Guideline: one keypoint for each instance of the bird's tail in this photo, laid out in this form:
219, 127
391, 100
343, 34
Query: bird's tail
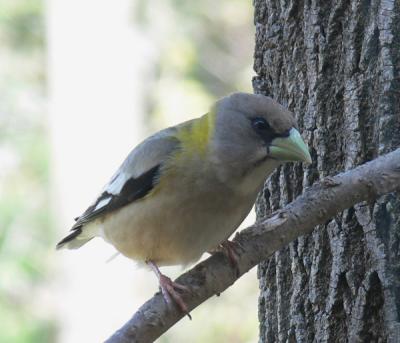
79, 236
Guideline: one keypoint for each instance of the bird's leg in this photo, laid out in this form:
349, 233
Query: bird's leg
169, 289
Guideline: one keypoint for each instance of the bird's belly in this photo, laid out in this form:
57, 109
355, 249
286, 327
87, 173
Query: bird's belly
170, 232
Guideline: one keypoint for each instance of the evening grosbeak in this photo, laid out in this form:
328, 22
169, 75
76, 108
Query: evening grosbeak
184, 190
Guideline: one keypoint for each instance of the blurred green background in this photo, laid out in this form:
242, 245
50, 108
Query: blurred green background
26, 234
201, 50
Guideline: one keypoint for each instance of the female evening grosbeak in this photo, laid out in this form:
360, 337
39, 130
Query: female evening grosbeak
184, 190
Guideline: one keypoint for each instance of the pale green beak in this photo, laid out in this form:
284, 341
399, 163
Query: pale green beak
290, 149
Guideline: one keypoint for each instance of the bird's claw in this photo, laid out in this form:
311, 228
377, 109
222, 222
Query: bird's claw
230, 249
169, 290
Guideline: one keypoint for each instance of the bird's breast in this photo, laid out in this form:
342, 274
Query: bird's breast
179, 222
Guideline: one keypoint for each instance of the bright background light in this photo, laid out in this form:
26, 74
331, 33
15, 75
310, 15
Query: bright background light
82, 82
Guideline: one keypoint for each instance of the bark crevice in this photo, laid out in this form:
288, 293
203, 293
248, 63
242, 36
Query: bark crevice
337, 67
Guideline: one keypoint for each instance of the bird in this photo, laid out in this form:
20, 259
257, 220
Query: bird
185, 189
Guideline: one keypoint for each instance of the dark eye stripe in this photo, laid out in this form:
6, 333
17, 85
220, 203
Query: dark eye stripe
260, 124
265, 131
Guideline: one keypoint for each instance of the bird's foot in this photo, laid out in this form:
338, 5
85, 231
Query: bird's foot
230, 249
169, 290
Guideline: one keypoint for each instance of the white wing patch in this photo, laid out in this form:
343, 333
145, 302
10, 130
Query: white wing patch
134, 178
102, 203
116, 184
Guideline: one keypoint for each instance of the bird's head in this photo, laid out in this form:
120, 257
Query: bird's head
253, 130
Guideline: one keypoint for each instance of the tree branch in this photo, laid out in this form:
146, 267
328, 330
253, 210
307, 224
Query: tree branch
318, 204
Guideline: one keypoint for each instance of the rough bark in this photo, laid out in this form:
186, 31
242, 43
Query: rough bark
336, 65
319, 203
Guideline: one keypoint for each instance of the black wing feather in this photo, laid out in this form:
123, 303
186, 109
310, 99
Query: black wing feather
76, 231
133, 189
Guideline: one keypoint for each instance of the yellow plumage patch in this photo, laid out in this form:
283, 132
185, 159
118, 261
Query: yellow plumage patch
195, 137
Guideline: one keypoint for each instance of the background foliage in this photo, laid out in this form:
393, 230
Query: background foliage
202, 52
25, 216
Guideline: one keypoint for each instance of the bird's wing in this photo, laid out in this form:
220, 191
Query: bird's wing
136, 177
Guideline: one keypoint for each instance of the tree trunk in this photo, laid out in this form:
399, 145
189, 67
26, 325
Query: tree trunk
336, 66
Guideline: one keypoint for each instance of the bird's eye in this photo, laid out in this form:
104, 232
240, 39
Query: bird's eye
259, 124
